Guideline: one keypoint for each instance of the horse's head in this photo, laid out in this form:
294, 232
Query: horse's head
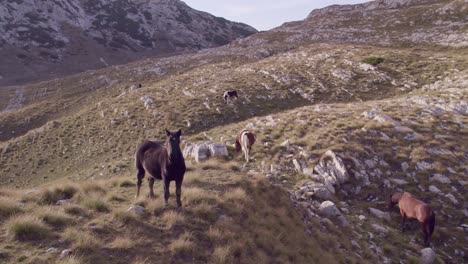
173, 141
393, 199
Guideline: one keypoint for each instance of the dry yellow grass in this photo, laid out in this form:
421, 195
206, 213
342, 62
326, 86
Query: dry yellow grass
172, 218
81, 239
182, 245
236, 194
8, 207
54, 217
222, 254
123, 242
73, 259
27, 227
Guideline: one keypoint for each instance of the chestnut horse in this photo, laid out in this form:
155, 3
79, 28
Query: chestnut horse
412, 208
163, 161
244, 141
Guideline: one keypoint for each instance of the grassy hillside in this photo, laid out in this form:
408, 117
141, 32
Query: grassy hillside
228, 217
96, 133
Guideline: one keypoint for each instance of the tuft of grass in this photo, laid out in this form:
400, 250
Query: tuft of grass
172, 218
195, 195
182, 245
125, 217
121, 242
95, 203
8, 208
222, 254
75, 210
374, 61
55, 218
125, 183
81, 239
54, 194
27, 227
73, 259
237, 194
93, 188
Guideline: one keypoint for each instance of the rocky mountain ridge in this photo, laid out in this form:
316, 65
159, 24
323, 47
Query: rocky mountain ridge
46, 39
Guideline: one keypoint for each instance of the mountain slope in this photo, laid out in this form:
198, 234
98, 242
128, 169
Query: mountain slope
381, 22
47, 39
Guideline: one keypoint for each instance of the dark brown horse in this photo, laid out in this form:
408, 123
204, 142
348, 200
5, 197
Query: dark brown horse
412, 208
163, 161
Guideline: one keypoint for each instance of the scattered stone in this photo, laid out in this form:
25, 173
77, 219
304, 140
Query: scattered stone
52, 250
62, 202
422, 165
297, 165
440, 178
362, 218
404, 166
139, 210
452, 198
382, 230
398, 181
66, 252
379, 214
428, 256
328, 208
310, 189
355, 244
202, 151
434, 189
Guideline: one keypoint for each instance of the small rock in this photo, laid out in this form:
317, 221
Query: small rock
328, 208
355, 244
379, 214
404, 166
398, 181
440, 178
297, 165
381, 229
427, 256
52, 250
66, 252
434, 189
362, 218
139, 210
62, 202
452, 198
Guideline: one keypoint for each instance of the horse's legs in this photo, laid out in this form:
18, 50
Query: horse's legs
151, 184
425, 227
179, 192
166, 191
403, 218
140, 176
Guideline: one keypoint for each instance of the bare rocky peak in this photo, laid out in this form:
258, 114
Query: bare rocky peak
43, 39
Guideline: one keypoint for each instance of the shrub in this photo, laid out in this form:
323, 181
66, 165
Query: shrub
8, 207
52, 195
27, 227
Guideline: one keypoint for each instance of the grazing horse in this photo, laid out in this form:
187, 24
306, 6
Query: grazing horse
163, 161
229, 94
410, 207
244, 141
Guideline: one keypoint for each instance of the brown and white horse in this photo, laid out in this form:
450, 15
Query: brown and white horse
244, 141
412, 208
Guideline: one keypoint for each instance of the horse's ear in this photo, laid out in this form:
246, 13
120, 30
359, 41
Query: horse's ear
167, 132
179, 132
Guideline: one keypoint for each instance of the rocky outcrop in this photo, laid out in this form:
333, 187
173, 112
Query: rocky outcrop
329, 209
204, 150
330, 171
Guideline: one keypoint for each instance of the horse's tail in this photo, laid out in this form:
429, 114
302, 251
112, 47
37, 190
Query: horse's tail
139, 160
431, 222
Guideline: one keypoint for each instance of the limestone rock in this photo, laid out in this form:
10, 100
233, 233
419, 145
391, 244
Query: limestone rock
139, 210
434, 189
398, 181
331, 171
427, 256
440, 178
66, 252
201, 151
379, 214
